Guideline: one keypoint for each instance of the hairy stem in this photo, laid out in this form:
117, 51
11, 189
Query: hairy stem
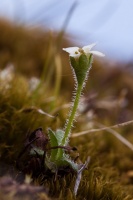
72, 114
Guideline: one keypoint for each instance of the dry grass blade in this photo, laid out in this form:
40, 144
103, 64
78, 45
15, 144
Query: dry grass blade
110, 130
38, 110
118, 136
104, 128
79, 176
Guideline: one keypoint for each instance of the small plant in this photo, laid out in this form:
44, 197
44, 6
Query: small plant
81, 60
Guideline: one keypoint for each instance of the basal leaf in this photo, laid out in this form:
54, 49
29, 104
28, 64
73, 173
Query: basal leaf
59, 134
53, 143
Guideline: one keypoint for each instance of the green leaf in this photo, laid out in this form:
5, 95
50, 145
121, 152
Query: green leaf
35, 150
58, 157
52, 137
53, 143
69, 162
59, 134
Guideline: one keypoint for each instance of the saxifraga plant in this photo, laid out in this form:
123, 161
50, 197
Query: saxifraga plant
80, 60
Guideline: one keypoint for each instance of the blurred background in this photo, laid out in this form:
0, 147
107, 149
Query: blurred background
106, 22
36, 85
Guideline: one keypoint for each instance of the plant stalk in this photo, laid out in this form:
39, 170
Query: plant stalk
72, 114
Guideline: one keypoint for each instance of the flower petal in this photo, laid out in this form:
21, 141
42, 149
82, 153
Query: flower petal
76, 56
71, 50
97, 53
88, 47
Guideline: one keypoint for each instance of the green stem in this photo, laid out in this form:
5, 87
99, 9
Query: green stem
72, 114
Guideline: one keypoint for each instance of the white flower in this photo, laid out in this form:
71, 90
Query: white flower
76, 51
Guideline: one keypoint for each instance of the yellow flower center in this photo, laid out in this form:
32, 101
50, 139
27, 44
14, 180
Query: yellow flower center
76, 52
80, 50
